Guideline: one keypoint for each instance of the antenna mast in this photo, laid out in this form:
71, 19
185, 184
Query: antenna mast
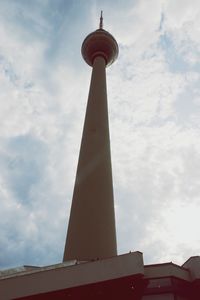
101, 20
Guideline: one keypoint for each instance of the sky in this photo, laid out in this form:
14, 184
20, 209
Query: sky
154, 112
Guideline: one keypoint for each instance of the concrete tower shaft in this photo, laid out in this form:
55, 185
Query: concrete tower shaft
91, 230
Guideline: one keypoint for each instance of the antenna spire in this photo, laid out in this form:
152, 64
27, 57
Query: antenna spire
101, 20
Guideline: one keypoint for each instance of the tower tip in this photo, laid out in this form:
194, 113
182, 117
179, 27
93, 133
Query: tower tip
101, 20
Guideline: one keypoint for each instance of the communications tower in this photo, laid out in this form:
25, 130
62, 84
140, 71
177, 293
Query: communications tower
91, 230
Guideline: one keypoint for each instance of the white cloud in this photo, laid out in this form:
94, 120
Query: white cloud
153, 94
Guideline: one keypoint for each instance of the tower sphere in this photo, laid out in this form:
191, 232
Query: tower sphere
99, 43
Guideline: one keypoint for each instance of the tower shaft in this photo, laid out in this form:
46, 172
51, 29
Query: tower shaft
91, 230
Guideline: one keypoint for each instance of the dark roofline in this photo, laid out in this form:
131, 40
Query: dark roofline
191, 257
163, 264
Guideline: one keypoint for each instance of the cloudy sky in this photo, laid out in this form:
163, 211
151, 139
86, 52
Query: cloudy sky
154, 111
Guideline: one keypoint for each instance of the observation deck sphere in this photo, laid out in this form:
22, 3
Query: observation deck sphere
99, 43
